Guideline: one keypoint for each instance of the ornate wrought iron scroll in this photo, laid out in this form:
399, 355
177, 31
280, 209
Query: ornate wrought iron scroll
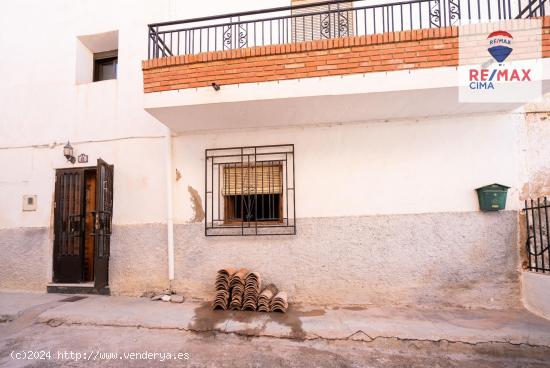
343, 23
454, 12
326, 31
335, 22
435, 14
444, 13
235, 35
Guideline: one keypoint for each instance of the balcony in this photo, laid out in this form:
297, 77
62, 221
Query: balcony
334, 53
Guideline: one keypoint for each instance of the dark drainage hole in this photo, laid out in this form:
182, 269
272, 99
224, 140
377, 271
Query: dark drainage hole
73, 299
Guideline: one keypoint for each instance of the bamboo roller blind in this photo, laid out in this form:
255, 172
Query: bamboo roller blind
305, 28
257, 179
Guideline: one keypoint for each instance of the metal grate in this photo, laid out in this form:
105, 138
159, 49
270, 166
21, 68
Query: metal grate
538, 235
73, 299
250, 191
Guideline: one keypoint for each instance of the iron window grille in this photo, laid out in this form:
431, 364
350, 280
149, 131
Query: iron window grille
538, 235
250, 191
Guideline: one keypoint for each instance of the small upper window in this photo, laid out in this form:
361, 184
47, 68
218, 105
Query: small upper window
96, 57
105, 65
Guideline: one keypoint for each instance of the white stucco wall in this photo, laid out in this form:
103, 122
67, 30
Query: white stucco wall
396, 167
386, 211
405, 166
31, 171
534, 292
43, 102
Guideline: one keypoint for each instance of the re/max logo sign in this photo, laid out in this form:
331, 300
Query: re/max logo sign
484, 78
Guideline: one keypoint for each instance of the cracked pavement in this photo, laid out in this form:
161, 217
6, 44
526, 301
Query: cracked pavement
99, 326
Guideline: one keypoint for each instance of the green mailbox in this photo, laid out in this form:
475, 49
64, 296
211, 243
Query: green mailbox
492, 197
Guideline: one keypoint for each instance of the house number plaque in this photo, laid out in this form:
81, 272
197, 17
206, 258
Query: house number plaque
82, 159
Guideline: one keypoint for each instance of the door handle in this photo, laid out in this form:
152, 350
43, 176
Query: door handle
102, 223
96, 218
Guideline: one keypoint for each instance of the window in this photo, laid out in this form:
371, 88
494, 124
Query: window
325, 21
253, 193
105, 65
250, 191
96, 57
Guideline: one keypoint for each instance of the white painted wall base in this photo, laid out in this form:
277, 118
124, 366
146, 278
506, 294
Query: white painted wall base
535, 290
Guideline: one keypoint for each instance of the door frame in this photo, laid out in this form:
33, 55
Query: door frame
103, 220
57, 221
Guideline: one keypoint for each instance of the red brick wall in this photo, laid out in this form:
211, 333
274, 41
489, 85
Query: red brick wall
424, 48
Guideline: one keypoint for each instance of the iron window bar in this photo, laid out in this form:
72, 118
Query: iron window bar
250, 191
325, 20
538, 235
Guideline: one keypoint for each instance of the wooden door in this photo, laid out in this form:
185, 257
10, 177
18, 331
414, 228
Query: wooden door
68, 226
102, 222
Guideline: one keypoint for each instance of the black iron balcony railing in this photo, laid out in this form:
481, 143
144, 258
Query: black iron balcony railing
327, 19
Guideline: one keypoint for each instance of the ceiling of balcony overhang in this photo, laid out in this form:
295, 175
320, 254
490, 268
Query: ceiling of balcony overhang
237, 107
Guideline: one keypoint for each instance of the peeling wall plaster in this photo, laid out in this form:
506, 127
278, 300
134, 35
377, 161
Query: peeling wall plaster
196, 205
536, 154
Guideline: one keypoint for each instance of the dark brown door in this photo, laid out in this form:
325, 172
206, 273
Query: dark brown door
68, 226
102, 223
